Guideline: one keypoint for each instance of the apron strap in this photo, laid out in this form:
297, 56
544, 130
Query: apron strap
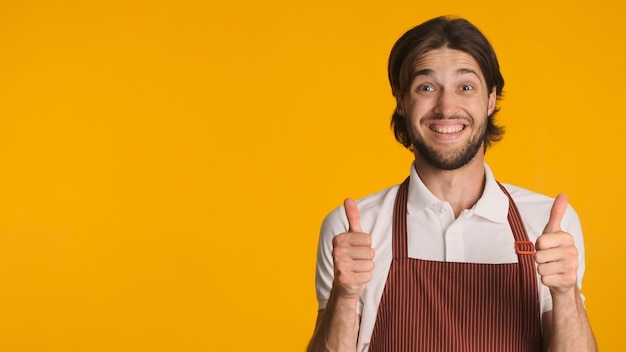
399, 230
525, 250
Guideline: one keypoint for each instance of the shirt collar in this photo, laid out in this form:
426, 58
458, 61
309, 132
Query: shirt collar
492, 205
420, 196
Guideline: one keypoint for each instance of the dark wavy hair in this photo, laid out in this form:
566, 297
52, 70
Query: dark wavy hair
453, 33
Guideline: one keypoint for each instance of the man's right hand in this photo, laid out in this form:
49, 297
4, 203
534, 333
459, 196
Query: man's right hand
353, 256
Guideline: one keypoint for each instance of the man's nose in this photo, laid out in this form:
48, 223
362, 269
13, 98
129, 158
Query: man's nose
447, 103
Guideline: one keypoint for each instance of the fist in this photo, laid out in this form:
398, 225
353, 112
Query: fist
556, 255
353, 256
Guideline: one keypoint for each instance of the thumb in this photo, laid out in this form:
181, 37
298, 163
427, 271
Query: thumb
556, 214
352, 213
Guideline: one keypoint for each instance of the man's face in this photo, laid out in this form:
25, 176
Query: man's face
446, 108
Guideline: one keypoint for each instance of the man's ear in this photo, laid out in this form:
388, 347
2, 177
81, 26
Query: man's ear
491, 107
399, 107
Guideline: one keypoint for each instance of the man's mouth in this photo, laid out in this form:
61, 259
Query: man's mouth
446, 129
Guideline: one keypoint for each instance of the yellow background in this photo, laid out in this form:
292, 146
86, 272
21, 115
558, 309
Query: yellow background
165, 165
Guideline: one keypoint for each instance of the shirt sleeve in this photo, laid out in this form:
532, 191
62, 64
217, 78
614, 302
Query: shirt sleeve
571, 225
334, 224
324, 272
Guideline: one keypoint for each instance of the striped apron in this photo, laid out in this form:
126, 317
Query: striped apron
449, 306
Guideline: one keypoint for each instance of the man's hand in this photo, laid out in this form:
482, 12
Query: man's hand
353, 256
557, 256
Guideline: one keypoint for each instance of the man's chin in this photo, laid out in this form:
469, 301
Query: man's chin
445, 162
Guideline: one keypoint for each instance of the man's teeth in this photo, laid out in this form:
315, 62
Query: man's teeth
447, 129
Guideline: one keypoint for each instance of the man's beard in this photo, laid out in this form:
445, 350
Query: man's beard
455, 159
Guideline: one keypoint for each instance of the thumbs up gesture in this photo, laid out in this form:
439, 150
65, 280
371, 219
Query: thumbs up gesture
353, 256
557, 256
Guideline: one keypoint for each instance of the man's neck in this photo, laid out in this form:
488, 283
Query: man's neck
461, 188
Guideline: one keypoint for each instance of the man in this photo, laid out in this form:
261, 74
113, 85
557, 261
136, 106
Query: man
450, 260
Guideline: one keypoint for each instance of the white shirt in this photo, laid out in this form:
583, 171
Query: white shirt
481, 234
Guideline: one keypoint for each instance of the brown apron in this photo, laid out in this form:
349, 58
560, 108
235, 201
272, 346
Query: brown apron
449, 306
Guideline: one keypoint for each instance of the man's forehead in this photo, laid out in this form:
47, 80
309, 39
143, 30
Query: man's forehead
447, 56
447, 59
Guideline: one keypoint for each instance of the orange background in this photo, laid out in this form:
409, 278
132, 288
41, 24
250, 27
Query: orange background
165, 165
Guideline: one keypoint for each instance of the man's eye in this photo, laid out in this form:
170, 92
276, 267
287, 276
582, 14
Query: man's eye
426, 88
466, 87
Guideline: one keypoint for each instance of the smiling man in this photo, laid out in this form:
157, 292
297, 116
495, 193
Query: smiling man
450, 260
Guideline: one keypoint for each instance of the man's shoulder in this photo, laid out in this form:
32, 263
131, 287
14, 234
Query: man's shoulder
376, 201
526, 196
370, 209
535, 207
529, 203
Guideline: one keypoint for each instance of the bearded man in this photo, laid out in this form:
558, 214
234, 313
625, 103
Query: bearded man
450, 260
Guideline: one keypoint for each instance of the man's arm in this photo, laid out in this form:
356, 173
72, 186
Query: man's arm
566, 327
337, 326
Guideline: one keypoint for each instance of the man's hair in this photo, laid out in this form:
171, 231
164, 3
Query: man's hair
453, 33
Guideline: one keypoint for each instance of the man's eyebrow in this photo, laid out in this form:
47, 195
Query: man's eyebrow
424, 72
461, 71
